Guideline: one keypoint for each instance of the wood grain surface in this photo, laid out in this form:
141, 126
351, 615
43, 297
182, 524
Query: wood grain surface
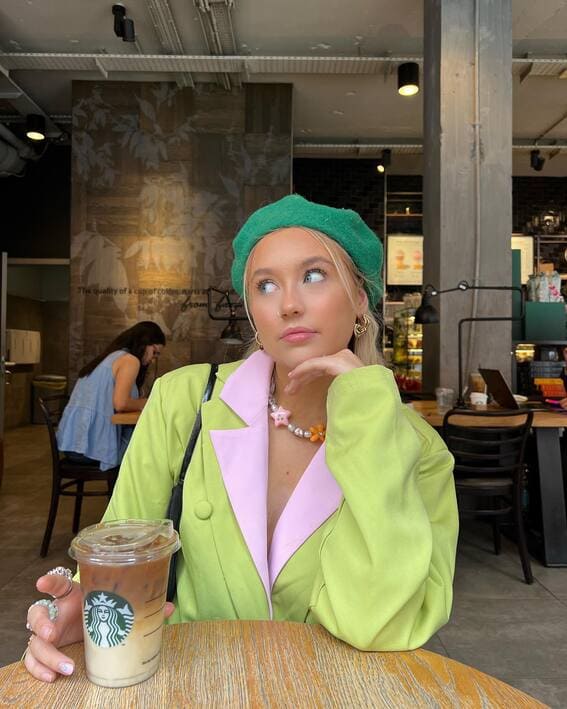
128, 418
542, 419
271, 664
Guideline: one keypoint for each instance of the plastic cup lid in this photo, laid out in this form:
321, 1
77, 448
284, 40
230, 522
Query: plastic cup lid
125, 541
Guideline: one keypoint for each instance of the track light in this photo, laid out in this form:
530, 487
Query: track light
408, 79
123, 26
536, 161
384, 161
35, 126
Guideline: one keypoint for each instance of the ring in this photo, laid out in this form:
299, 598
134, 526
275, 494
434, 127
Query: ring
50, 605
68, 574
61, 571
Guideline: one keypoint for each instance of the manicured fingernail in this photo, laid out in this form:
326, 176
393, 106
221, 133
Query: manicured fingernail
66, 668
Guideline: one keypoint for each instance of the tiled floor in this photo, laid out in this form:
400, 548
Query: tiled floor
499, 624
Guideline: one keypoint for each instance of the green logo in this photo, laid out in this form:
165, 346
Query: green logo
108, 618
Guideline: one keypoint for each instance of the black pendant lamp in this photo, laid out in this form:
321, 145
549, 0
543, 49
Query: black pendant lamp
408, 79
35, 126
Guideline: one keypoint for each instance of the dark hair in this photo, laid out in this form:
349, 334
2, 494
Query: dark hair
134, 340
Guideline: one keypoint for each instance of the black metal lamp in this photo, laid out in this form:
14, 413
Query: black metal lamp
408, 78
123, 26
427, 314
231, 334
35, 126
384, 161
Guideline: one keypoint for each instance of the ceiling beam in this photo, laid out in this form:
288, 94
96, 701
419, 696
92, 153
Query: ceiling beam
410, 147
233, 63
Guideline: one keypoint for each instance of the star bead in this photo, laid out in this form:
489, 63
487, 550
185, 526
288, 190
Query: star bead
280, 416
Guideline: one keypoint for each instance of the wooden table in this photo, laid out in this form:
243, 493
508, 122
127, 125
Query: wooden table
271, 664
547, 427
128, 418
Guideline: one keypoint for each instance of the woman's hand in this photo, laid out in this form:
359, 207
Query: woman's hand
563, 403
329, 366
42, 658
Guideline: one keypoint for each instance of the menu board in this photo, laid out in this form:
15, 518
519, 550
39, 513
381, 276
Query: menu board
404, 266
525, 244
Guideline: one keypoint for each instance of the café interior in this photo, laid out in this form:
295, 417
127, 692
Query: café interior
134, 143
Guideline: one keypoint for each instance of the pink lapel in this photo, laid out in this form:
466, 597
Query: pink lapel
315, 498
242, 455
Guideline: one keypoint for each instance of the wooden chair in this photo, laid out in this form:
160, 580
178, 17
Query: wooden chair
489, 448
68, 477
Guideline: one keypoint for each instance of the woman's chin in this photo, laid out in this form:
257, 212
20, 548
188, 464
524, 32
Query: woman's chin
291, 357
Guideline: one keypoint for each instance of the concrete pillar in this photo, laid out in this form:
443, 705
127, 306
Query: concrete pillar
467, 181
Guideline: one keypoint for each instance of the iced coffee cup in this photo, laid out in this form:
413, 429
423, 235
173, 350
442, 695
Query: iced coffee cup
124, 568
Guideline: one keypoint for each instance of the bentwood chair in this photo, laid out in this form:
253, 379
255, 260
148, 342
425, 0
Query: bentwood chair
489, 448
68, 477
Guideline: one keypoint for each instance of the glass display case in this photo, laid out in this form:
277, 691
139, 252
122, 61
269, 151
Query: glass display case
407, 346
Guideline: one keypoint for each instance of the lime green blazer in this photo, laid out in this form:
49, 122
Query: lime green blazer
366, 543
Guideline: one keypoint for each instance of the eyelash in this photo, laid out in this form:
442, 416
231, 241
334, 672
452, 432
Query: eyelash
262, 283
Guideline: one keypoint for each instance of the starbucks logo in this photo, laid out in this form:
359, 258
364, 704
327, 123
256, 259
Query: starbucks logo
108, 618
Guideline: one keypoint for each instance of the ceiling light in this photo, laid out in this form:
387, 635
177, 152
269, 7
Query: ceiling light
35, 126
123, 26
408, 79
384, 161
536, 161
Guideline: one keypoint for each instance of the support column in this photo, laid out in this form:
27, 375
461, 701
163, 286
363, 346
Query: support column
467, 181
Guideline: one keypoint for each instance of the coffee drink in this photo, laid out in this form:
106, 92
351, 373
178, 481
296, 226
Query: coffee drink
124, 569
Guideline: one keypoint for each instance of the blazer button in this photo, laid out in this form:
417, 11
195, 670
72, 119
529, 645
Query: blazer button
203, 509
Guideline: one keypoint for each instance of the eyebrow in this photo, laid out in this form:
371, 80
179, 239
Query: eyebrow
304, 264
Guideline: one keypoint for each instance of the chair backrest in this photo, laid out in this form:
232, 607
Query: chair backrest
487, 443
52, 410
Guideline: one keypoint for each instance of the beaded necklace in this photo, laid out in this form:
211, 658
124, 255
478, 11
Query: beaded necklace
280, 416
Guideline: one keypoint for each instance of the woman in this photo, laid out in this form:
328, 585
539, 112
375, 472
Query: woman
108, 383
313, 495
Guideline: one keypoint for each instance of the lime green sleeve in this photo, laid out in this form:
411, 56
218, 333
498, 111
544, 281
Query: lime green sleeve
155, 453
387, 563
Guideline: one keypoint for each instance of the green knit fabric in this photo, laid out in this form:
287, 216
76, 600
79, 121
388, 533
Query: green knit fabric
342, 225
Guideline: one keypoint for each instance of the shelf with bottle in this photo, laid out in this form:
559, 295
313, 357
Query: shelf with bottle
407, 346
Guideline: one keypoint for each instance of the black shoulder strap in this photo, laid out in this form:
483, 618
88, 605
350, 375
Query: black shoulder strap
175, 506
197, 425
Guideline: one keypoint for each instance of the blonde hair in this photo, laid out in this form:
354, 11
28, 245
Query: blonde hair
365, 346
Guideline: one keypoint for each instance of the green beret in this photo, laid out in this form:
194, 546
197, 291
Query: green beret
342, 225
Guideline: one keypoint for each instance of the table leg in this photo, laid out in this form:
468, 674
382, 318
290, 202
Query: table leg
554, 518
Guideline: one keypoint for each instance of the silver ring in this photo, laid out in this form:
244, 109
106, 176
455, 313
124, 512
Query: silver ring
61, 571
63, 595
52, 609
68, 574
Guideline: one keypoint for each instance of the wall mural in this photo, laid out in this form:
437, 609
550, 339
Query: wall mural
162, 179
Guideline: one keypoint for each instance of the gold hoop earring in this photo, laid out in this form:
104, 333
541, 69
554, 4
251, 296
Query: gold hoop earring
362, 327
258, 341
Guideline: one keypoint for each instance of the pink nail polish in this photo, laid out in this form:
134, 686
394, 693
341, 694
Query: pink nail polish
66, 668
